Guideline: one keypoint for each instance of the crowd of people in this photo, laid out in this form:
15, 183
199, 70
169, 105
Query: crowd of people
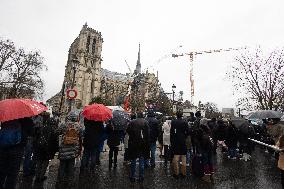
188, 144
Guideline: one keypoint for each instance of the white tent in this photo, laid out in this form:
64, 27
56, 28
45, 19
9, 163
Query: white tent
115, 108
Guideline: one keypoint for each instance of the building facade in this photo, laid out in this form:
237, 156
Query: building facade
83, 72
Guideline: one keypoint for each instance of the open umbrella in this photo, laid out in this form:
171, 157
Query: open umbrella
265, 114
97, 112
120, 119
238, 122
11, 109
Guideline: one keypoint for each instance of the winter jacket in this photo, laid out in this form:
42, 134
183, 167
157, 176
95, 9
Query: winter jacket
45, 142
212, 125
178, 134
206, 143
72, 150
27, 129
154, 129
281, 158
231, 137
220, 132
93, 133
166, 132
113, 136
138, 143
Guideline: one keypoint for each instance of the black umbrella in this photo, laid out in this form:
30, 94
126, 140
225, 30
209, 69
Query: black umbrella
120, 119
265, 114
239, 121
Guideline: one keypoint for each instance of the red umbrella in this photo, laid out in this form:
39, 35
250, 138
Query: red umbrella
11, 109
97, 112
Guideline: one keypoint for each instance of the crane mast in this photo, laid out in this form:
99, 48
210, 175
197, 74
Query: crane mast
191, 59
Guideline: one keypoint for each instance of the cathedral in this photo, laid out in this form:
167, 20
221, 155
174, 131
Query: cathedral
84, 73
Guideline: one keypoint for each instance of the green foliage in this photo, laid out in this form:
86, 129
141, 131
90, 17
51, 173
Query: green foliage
100, 100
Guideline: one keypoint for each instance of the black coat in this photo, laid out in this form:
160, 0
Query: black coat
138, 143
231, 137
220, 132
179, 132
206, 143
92, 134
113, 136
154, 129
47, 151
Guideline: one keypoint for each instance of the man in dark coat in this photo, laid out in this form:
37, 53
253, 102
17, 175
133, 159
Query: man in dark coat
11, 155
45, 147
138, 144
113, 142
232, 140
179, 132
92, 138
154, 133
212, 124
195, 130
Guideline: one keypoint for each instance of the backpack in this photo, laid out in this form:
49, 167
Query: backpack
10, 134
71, 136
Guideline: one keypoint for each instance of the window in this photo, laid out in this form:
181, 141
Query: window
94, 46
88, 44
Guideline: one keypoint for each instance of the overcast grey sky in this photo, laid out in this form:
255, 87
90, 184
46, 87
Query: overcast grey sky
160, 26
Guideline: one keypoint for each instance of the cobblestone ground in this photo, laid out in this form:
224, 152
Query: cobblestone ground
260, 173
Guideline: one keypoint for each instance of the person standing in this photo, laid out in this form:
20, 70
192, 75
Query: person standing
232, 141
154, 133
126, 139
166, 140
207, 149
12, 149
280, 144
138, 131
91, 143
113, 142
212, 124
194, 132
45, 147
29, 161
178, 134
69, 148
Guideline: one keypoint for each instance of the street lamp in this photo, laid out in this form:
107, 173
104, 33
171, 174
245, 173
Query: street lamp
173, 89
75, 62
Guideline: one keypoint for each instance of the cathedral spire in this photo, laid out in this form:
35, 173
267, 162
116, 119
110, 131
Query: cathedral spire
138, 63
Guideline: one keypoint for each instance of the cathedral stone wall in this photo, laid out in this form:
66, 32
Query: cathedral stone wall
83, 72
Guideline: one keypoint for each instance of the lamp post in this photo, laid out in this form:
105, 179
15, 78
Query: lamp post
173, 90
75, 63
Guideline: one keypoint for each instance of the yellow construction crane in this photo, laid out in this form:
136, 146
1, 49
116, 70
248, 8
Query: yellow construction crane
191, 57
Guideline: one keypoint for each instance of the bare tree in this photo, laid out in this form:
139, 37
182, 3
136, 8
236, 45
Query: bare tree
20, 71
211, 110
258, 79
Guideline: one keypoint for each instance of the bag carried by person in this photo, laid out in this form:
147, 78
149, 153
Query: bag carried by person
10, 134
71, 136
197, 166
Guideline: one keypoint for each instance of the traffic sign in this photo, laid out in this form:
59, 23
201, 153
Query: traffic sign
71, 94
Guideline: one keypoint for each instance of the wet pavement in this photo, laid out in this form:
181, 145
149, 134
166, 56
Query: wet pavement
260, 173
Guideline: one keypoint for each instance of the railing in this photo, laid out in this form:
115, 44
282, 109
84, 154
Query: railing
267, 145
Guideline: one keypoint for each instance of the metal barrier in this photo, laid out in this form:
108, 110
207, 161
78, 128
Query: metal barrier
267, 145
